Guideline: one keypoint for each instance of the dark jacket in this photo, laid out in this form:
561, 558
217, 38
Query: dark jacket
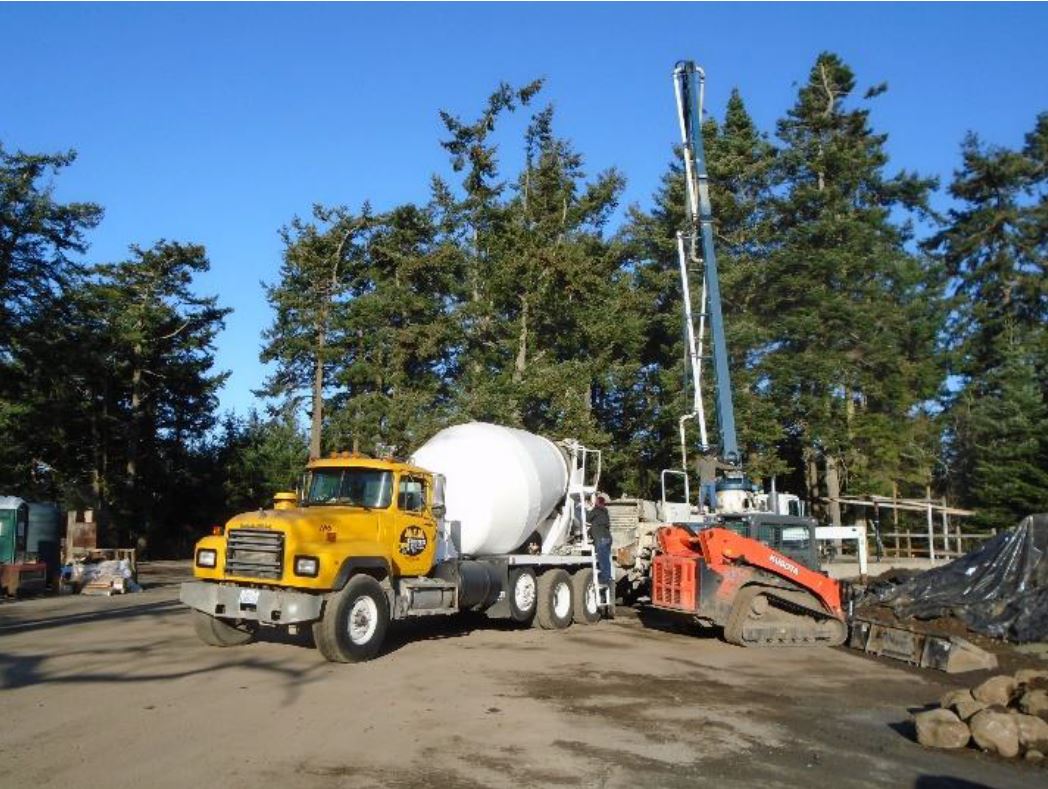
599, 524
708, 465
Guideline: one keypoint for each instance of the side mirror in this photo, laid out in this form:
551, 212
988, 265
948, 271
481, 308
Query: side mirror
438, 510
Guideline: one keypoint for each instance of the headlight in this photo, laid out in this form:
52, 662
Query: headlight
307, 565
206, 557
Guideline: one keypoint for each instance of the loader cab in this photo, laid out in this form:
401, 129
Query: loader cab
791, 536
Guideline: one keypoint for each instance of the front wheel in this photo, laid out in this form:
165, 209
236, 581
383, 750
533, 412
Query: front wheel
218, 633
354, 623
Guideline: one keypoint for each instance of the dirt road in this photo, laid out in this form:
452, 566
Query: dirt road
117, 692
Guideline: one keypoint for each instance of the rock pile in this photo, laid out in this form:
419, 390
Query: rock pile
1006, 715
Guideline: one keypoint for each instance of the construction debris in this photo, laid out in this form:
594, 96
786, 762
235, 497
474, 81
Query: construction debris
114, 576
994, 716
999, 590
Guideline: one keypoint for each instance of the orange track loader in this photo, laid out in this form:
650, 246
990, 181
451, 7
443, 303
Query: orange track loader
759, 596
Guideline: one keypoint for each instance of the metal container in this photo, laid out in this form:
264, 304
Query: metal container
14, 515
44, 534
502, 484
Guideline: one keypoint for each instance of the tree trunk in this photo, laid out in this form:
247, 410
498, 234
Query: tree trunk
811, 478
318, 395
833, 489
521, 363
135, 426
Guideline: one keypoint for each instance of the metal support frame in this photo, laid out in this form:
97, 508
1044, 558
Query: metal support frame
689, 83
857, 533
698, 408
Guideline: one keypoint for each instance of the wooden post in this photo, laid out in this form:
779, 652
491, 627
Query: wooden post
957, 538
895, 519
877, 529
931, 525
945, 529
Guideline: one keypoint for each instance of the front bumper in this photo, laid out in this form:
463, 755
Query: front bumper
268, 606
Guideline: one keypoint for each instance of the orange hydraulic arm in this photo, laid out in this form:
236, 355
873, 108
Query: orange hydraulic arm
721, 546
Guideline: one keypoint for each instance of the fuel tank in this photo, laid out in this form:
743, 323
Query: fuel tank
502, 484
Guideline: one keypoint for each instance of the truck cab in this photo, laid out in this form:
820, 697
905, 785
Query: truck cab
358, 523
353, 511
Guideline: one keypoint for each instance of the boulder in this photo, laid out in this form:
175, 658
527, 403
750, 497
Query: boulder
965, 709
996, 690
1033, 732
1025, 676
952, 698
1035, 702
996, 732
941, 729
1034, 756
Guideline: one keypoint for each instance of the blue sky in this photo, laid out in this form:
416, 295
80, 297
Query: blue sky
217, 123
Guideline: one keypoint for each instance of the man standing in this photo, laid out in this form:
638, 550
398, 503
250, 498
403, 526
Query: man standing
600, 533
707, 465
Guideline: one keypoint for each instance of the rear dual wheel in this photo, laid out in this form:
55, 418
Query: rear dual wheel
523, 594
555, 600
587, 597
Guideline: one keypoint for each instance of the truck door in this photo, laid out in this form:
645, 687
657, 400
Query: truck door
415, 529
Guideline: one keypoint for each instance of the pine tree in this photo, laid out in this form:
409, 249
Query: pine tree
1003, 444
740, 163
399, 339
38, 236
851, 358
543, 303
312, 288
159, 340
40, 240
994, 248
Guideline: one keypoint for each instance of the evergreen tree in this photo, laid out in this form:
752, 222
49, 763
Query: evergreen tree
159, 340
40, 239
37, 237
392, 389
1002, 448
312, 288
259, 457
994, 249
740, 162
851, 356
544, 302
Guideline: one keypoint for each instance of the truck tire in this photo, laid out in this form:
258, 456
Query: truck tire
523, 594
585, 595
216, 632
554, 600
354, 623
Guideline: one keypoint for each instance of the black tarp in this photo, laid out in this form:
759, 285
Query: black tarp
999, 590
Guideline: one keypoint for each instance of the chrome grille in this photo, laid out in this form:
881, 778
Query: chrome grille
255, 553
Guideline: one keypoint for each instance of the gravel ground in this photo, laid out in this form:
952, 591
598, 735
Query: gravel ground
117, 692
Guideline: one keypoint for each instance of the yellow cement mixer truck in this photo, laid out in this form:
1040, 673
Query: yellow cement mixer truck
480, 518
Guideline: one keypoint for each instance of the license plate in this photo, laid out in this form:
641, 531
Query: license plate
249, 596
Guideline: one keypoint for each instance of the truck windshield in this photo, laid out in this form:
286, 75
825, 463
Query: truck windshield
354, 487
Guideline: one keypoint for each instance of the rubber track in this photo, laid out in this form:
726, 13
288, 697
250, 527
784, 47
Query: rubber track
738, 619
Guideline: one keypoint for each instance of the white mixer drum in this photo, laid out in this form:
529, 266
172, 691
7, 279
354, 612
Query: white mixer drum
502, 483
